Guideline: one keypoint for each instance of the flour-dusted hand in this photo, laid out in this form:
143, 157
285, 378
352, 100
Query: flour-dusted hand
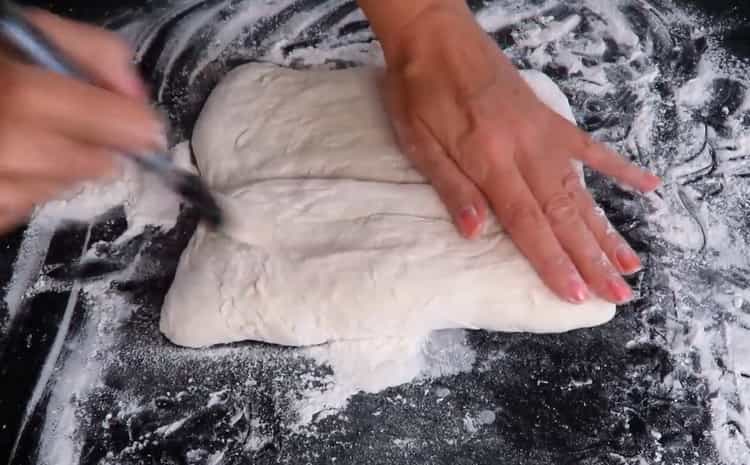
464, 115
55, 131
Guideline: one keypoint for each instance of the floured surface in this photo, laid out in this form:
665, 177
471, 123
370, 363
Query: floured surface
665, 382
332, 235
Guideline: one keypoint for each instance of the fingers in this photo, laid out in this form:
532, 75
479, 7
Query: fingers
19, 196
485, 129
458, 193
101, 53
9, 221
78, 111
554, 187
36, 166
601, 158
34, 154
620, 254
56, 131
524, 221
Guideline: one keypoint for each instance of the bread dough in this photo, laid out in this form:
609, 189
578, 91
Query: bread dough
332, 235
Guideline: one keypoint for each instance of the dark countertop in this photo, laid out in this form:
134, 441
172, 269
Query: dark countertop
625, 410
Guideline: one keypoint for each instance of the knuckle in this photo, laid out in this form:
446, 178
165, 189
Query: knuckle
491, 139
602, 262
559, 209
427, 162
585, 141
558, 265
571, 181
452, 186
521, 215
473, 165
480, 152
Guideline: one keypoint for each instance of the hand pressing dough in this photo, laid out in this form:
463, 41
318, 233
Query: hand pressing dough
332, 234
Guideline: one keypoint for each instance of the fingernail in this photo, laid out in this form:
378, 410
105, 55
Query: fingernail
578, 291
619, 290
469, 222
627, 260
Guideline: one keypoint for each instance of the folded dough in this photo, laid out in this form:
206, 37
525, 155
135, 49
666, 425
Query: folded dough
332, 234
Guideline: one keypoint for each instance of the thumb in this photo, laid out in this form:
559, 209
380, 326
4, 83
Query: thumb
458, 193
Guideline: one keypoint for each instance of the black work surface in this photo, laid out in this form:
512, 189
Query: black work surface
623, 412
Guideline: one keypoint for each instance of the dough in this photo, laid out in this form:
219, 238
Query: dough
332, 234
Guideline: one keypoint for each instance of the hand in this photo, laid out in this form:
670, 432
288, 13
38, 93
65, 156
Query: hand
468, 121
55, 131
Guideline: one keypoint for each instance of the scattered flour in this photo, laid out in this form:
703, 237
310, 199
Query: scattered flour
708, 323
147, 202
374, 365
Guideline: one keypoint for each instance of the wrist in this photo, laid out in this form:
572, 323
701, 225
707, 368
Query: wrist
401, 26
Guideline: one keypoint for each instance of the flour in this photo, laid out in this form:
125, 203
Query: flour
29, 261
83, 204
147, 202
82, 370
373, 365
136, 190
498, 15
704, 329
549, 32
151, 202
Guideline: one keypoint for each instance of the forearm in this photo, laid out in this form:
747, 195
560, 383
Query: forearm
392, 19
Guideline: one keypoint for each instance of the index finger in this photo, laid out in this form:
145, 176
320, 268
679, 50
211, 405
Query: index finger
598, 156
79, 111
101, 53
